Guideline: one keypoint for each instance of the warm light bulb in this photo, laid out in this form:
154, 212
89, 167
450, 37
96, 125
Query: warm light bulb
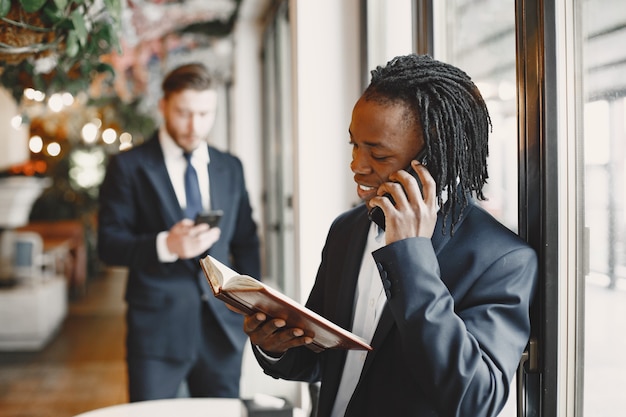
53, 149
35, 144
89, 133
126, 138
109, 135
55, 102
29, 93
68, 99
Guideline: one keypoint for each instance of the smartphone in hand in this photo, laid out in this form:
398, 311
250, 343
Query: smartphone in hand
212, 218
376, 214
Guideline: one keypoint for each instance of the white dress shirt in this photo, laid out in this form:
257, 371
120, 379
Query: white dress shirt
369, 302
370, 299
176, 164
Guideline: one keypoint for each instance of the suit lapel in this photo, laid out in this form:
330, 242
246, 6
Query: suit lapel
157, 175
350, 273
355, 244
218, 189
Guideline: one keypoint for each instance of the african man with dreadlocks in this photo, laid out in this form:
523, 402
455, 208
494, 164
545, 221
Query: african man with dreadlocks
443, 293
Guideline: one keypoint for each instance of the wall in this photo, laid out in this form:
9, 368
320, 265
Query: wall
13, 142
245, 105
326, 61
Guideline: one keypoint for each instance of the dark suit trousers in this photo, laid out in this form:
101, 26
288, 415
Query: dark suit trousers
215, 372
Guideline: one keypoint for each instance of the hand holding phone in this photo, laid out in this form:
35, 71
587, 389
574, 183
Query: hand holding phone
376, 214
212, 218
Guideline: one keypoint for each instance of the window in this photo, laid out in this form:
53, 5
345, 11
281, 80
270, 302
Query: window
480, 39
389, 31
600, 53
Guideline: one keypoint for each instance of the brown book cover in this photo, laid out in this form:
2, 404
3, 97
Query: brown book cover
250, 296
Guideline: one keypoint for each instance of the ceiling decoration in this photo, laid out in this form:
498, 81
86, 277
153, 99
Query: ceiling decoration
147, 20
152, 36
159, 34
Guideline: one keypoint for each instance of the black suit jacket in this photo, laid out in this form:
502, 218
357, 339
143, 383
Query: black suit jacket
137, 201
453, 330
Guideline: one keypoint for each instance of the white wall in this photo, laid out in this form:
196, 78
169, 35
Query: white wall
13, 141
325, 38
245, 110
327, 84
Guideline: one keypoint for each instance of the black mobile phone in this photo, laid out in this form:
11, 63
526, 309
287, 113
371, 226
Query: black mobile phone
212, 218
376, 214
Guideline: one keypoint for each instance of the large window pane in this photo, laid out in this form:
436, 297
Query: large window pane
478, 36
602, 56
389, 31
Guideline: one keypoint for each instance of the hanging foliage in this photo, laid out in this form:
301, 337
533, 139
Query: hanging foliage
56, 45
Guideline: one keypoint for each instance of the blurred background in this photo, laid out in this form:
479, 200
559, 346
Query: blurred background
79, 82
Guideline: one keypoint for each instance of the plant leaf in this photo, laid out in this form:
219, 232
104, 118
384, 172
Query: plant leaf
54, 14
79, 26
72, 44
104, 67
5, 6
61, 4
114, 8
31, 6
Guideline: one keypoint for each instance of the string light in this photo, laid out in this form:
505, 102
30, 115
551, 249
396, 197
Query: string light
35, 144
53, 149
89, 132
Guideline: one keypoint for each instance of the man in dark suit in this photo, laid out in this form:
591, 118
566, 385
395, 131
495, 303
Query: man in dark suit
443, 293
177, 330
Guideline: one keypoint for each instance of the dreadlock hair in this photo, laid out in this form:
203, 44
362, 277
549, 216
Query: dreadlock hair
452, 114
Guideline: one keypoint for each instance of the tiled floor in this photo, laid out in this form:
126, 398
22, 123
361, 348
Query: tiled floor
82, 368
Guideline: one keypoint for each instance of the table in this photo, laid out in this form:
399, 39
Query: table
66, 240
187, 407
30, 314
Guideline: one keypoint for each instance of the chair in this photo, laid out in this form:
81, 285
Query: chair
23, 257
66, 242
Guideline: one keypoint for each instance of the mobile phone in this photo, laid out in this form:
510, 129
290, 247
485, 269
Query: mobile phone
376, 214
212, 218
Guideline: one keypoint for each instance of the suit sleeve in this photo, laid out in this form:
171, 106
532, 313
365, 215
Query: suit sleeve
118, 241
244, 246
462, 351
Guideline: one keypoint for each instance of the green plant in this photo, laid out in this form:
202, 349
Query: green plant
56, 45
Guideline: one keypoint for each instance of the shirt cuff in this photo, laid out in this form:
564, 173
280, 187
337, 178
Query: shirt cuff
271, 359
163, 252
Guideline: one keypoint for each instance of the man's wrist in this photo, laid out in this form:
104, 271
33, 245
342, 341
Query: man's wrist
163, 251
271, 357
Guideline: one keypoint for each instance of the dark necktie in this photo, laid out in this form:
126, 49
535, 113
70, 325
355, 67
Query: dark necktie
192, 190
